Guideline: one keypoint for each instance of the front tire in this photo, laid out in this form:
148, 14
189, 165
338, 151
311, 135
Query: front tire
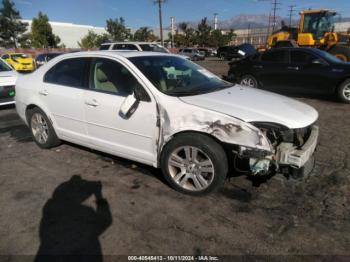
343, 91
194, 164
249, 80
41, 129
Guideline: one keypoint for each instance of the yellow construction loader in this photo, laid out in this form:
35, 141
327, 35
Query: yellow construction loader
316, 29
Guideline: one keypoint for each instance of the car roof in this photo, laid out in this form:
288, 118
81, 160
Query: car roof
115, 53
296, 48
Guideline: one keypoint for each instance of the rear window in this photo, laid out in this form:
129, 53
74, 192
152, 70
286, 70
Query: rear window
274, 57
124, 47
69, 72
104, 47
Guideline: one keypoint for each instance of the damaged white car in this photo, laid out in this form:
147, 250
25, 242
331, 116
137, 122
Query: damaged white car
165, 111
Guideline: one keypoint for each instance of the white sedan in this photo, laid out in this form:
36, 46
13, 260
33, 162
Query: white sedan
8, 78
165, 111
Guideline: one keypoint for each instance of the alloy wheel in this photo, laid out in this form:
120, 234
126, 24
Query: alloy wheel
39, 128
346, 92
248, 81
191, 168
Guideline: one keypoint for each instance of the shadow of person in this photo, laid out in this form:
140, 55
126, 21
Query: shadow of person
69, 230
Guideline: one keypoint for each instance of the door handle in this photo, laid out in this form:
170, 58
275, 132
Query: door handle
258, 66
43, 92
92, 102
293, 67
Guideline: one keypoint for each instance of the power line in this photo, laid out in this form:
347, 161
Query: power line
291, 12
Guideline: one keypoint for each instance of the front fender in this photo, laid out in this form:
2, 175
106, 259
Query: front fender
225, 128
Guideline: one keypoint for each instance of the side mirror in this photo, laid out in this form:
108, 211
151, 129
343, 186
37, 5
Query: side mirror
129, 106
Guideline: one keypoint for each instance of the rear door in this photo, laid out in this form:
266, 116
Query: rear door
62, 93
110, 82
271, 70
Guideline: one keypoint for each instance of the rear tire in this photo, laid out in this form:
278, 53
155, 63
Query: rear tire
194, 164
341, 52
343, 91
41, 129
249, 80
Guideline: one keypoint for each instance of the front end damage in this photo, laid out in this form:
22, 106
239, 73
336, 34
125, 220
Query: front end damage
266, 146
292, 151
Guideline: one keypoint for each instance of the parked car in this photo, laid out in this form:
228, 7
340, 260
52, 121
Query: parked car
8, 79
235, 52
294, 69
136, 46
209, 52
19, 61
42, 59
165, 111
192, 53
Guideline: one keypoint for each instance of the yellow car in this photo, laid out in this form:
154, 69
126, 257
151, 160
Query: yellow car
19, 61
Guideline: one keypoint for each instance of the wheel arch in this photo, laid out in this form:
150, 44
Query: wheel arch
225, 146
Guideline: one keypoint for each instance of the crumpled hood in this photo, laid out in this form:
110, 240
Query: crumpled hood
254, 105
8, 78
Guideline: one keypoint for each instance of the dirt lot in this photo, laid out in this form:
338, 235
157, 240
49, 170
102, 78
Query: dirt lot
279, 216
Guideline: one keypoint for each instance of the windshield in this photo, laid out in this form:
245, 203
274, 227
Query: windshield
328, 57
176, 76
16, 56
318, 24
4, 67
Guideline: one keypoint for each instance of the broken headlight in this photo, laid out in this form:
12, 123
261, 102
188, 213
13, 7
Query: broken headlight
278, 133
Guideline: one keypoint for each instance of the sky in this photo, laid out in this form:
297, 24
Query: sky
139, 13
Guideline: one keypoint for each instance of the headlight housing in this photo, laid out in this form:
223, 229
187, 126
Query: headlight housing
277, 133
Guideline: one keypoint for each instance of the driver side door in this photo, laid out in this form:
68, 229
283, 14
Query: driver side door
133, 137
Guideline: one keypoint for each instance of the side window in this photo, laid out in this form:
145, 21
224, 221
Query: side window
274, 57
104, 47
131, 47
109, 76
69, 72
118, 47
300, 57
5, 56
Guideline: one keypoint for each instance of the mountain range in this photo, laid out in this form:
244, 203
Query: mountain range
244, 21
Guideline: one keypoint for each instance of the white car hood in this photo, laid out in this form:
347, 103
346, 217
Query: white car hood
8, 78
254, 105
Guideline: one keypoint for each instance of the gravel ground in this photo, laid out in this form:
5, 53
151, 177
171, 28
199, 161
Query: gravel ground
142, 215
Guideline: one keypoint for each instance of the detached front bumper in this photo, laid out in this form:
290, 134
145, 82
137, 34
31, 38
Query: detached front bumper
287, 154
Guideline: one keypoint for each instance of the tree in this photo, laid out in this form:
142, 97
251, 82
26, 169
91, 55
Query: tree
41, 34
217, 38
93, 40
11, 27
189, 37
144, 34
117, 29
203, 32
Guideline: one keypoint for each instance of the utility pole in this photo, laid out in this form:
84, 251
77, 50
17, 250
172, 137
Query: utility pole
291, 12
159, 3
172, 20
215, 21
275, 7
